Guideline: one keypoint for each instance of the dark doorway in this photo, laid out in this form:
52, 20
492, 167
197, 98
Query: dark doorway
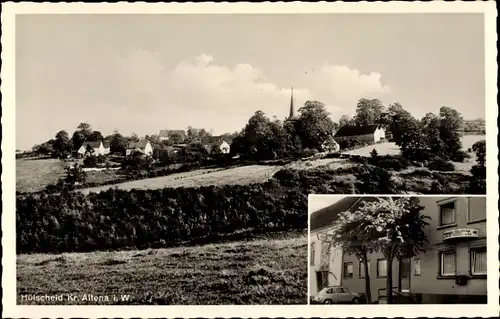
404, 275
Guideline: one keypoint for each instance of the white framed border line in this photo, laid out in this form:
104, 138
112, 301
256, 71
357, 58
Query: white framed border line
10, 309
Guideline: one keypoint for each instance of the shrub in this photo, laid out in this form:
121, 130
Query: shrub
441, 165
441, 185
460, 156
393, 163
90, 161
374, 180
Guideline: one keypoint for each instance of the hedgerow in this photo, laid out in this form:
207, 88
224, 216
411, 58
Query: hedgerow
117, 219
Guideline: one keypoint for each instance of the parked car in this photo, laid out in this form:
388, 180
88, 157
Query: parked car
336, 295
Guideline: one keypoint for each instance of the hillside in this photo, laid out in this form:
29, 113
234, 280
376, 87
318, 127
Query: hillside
262, 271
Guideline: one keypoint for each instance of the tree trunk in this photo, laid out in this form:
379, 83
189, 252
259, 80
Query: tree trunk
368, 288
390, 259
389, 281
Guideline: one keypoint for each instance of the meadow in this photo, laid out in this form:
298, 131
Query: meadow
35, 174
266, 270
242, 175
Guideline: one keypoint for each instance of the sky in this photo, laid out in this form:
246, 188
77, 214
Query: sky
144, 73
319, 201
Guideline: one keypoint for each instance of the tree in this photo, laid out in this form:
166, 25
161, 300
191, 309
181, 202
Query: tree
344, 120
78, 139
81, 135
477, 183
85, 128
393, 118
44, 148
368, 112
450, 124
314, 125
95, 136
431, 129
176, 138
393, 226
134, 137
118, 143
62, 144
75, 175
346, 236
412, 139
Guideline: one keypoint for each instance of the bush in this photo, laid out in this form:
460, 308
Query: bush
460, 156
441, 165
441, 185
374, 180
90, 161
117, 219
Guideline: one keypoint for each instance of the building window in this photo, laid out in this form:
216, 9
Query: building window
362, 269
476, 210
348, 270
416, 267
448, 265
313, 253
381, 268
447, 214
478, 261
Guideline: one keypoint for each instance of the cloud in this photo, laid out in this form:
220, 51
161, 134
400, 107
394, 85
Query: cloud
208, 91
139, 91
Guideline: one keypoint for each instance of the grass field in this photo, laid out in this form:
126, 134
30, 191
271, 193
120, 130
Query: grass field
261, 271
202, 177
34, 174
390, 148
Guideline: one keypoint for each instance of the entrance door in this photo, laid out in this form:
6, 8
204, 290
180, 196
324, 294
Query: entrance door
404, 274
319, 281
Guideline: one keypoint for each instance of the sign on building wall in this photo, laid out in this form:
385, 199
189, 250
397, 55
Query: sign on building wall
460, 233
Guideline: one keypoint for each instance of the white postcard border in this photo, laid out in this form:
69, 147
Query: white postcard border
10, 309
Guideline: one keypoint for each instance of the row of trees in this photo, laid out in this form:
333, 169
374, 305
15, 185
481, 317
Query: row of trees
116, 219
394, 227
263, 138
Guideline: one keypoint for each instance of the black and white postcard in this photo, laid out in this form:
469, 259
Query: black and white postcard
157, 159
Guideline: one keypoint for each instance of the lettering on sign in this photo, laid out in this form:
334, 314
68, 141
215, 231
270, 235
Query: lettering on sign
460, 233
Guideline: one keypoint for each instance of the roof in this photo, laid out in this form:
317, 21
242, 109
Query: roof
95, 144
168, 133
349, 130
326, 216
137, 145
215, 140
106, 144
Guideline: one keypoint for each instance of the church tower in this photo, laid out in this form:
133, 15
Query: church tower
291, 116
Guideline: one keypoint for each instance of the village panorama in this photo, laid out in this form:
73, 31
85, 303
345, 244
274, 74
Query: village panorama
207, 202
187, 188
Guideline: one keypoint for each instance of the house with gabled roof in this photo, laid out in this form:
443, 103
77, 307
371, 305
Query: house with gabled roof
367, 133
143, 147
325, 261
219, 143
94, 148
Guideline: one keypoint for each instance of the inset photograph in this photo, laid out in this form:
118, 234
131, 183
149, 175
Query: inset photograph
397, 249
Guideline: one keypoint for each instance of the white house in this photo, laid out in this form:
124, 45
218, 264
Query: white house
98, 148
325, 260
219, 142
368, 133
325, 263
143, 147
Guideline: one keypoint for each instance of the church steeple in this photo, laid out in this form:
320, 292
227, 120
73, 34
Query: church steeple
292, 111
